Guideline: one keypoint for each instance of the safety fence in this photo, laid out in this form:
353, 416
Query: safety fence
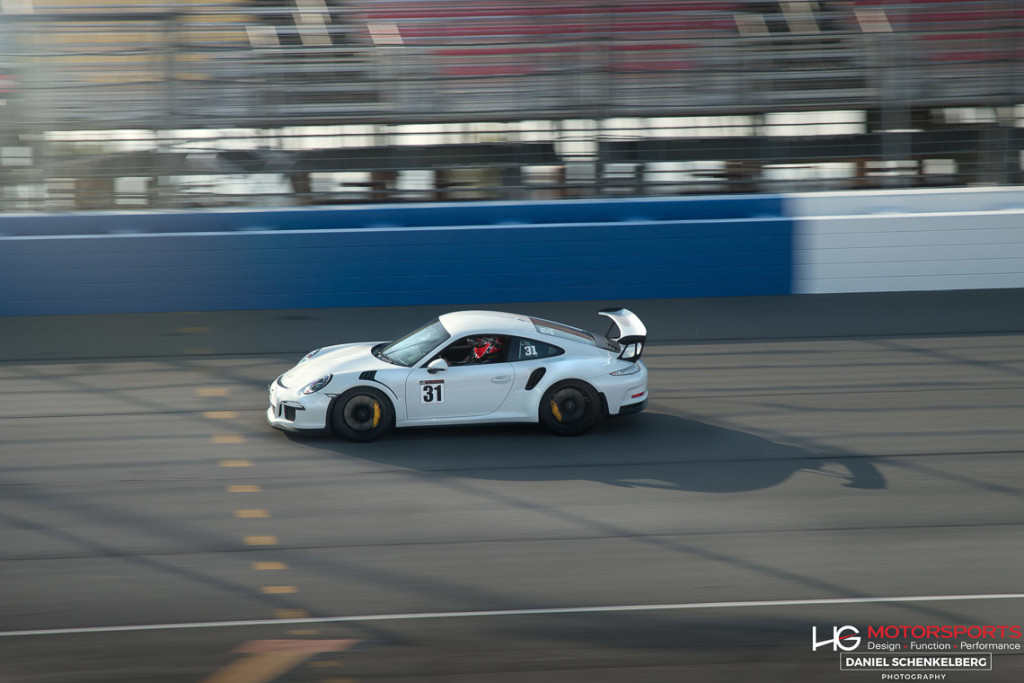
108, 104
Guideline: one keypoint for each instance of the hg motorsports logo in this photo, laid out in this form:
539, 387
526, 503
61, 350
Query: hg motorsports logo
968, 648
847, 643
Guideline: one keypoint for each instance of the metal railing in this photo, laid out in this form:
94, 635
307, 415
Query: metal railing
109, 104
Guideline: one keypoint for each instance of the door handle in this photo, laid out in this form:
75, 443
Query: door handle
502, 379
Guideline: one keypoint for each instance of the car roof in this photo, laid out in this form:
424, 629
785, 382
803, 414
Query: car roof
468, 322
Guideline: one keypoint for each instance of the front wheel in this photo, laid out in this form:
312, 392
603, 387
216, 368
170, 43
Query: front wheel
362, 414
569, 408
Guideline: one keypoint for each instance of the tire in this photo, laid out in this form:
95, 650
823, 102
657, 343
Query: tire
362, 414
570, 408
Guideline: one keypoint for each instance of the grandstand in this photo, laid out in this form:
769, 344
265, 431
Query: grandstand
111, 103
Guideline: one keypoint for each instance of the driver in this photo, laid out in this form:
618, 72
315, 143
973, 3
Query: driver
485, 349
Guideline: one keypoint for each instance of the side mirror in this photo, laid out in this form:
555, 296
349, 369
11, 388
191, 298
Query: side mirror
437, 365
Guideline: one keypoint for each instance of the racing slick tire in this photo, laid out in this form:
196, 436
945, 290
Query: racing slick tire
362, 414
570, 408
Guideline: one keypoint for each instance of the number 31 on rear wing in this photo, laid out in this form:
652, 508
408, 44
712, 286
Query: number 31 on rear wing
631, 333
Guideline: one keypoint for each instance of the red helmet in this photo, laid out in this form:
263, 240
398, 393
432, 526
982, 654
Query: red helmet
484, 346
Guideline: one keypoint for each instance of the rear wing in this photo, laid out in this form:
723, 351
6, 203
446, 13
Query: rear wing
629, 333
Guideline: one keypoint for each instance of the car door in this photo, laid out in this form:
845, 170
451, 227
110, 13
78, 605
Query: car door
471, 386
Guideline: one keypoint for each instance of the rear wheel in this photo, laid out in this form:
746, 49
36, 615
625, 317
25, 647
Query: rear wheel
362, 414
569, 408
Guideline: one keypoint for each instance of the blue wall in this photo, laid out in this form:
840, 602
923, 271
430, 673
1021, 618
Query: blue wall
474, 253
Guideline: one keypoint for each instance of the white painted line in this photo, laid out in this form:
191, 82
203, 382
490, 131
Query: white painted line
517, 613
398, 228
915, 214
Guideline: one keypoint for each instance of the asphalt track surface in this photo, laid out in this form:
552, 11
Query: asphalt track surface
852, 473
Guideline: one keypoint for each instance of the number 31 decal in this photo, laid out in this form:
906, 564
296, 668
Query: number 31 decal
432, 391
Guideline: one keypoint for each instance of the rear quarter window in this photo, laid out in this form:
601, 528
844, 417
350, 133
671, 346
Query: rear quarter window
530, 349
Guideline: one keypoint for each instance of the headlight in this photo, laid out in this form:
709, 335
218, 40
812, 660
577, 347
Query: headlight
317, 385
309, 355
631, 370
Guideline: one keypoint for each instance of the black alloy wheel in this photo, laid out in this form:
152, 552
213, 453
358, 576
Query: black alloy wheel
362, 414
569, 408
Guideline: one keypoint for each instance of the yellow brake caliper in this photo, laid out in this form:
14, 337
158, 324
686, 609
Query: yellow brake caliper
376, 414
555, 411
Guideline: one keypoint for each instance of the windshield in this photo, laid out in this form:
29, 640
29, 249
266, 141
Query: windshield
411, 348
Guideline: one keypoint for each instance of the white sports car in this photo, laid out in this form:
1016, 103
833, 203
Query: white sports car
469, 367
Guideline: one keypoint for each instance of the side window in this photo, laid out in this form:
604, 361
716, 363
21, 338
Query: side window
478, 349
529, 349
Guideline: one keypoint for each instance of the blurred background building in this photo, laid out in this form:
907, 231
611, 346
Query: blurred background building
198, 103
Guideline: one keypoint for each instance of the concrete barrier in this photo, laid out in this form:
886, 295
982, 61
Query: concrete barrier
908, 241
495, 252
458, 254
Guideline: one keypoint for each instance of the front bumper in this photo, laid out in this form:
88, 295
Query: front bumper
294, 413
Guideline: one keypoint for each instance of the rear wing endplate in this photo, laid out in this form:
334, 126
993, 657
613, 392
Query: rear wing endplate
627, 331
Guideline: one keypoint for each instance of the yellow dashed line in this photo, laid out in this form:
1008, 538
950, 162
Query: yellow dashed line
198, 351
259, 668
250, 513
193, 330
268, 566
261, 540
212, 391
291, 614
236, 463
326, 664
304, 632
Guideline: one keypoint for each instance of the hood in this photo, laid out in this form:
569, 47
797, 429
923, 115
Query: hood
332, 360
